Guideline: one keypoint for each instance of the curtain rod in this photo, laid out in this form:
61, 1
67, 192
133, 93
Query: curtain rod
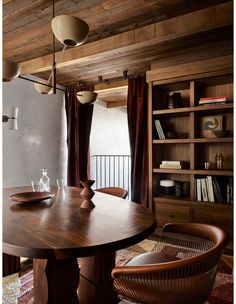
81, 85
109, 80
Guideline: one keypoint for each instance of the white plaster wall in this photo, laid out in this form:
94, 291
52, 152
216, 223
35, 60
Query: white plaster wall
40, 141
109, 136
109, 132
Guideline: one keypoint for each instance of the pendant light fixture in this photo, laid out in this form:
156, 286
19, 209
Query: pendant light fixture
10, 70
70, 31
43, 89
86, 97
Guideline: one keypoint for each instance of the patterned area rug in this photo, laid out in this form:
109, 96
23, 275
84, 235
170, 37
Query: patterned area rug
19, 290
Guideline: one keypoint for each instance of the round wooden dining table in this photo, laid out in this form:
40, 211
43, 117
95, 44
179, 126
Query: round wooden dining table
56, 231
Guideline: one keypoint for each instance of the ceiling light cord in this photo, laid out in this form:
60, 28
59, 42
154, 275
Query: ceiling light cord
53, 54
57, 61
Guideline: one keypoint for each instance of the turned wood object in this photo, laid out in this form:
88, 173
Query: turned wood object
87, 193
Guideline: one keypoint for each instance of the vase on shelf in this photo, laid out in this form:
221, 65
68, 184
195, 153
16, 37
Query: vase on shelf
87, 193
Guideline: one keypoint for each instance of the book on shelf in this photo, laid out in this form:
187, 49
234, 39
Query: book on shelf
211, 103
159, 129
210, 191
229, 192
199, 190
213, 99
162, 166
204, 190
171, 162
221, 97
217, 190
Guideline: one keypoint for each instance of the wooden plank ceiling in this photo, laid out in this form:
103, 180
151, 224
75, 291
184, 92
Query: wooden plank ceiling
124, 35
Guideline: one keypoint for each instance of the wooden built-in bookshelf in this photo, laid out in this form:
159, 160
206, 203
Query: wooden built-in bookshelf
194, 150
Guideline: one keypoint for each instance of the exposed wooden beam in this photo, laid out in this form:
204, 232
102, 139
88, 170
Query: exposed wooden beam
186, 25
115, 85
190, 70
116, 104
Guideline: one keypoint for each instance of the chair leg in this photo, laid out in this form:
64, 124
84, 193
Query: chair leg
10, 264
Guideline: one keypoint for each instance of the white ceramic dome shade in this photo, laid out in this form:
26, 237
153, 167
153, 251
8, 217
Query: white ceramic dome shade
86, 97
43, 89
10, 70
70, 30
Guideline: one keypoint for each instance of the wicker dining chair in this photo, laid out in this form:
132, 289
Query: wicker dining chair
181, 270
116, 191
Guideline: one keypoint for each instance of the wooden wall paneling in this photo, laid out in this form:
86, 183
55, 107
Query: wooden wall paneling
192, 123
150, 145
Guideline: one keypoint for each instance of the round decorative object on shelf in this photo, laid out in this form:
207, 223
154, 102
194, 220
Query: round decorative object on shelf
70, 30
168, 186
179, 188
86, 97
221, 133
10, 70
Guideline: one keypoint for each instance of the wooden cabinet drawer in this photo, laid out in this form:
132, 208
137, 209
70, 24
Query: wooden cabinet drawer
215, 215
168, 213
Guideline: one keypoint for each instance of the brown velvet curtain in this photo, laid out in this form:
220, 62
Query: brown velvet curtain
137, 123
79, 119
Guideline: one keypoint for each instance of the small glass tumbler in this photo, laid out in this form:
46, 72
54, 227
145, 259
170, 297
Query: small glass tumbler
36, 186
206, 165
60, 184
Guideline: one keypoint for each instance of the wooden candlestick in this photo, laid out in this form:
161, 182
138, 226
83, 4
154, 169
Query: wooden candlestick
87, 193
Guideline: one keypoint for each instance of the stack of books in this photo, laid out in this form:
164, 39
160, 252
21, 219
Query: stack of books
209, 190
204, 187
212, 100
171, 164
159, 129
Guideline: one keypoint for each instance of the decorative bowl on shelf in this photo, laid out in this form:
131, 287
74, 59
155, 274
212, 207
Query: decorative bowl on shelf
221, 133
182, 135
171, 135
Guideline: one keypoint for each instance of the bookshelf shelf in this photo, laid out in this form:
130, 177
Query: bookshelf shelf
193, 140
195, 172
195, 150
218, 108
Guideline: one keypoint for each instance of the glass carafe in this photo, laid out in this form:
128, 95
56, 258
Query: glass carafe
45, 181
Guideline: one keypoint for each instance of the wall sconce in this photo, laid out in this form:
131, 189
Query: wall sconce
12, 119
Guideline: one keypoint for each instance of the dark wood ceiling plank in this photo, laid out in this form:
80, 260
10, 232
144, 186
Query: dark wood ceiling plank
206, 19
106, 18
172, 52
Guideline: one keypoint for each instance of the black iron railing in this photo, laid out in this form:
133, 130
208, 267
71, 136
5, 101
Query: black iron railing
111, 171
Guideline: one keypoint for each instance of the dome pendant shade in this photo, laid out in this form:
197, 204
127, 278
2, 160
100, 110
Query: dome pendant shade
43, 89
70, 30
10, 70
86, 97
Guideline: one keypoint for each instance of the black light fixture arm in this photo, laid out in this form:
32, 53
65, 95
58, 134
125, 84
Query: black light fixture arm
5, 118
